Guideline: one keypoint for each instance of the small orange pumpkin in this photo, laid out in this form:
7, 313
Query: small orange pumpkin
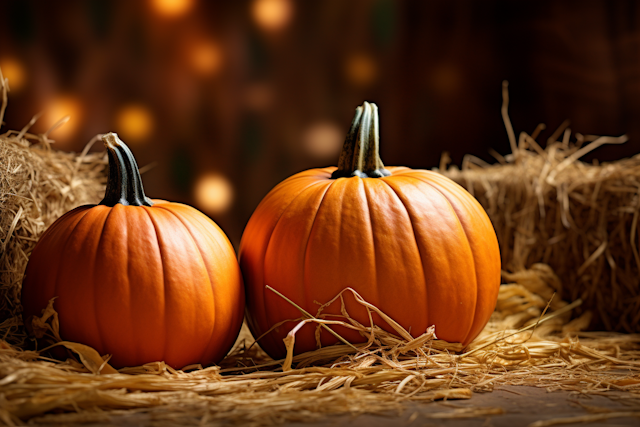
139, 279
411, 242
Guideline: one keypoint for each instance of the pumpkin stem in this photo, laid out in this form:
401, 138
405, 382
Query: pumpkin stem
124, 185
360, 153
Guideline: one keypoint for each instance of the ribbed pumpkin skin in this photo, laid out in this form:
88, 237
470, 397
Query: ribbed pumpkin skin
415, 244
142, 283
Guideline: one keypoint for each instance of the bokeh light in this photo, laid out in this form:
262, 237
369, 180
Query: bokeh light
272, 15
56, 109
267, 88
213, 193
134, 123
361, 70
171, 8
15, 72
324, 140
205, 57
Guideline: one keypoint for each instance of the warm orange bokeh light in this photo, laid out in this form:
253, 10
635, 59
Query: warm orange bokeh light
56, 109
206, 58
134, 123
272, 14
361, 70
171, 8
14, 71
324, 140
213, 193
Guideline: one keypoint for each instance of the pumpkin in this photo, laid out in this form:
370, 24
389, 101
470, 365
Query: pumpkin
412, 242
144, 280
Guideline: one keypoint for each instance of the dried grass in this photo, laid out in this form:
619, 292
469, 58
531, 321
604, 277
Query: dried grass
530, 340
581, 219
585, 418
37, 185
518, 347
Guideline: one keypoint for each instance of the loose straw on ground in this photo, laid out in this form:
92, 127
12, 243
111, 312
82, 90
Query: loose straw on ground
249, 388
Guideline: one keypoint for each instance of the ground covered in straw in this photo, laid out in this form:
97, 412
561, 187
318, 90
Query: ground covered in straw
521, 345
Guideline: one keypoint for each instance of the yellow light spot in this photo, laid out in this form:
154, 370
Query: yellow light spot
206, 58
272, 15
14, 71
213, 193
324, 140
171, 8
361, 70
134, 123
58, 108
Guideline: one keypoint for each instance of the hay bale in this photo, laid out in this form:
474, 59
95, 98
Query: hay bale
37, 185
547, 206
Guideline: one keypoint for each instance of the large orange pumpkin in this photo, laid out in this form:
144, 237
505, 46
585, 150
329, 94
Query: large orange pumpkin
411, 242
139, 279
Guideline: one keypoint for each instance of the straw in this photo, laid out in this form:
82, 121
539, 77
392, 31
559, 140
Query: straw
582, 219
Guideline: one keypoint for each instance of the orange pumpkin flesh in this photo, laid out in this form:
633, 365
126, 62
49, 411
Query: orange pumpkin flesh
142, 280
411, 242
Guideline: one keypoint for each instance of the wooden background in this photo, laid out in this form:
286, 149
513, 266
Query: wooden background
278, 100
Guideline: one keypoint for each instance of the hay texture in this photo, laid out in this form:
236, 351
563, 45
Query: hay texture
37, 185
520, 346
582, 219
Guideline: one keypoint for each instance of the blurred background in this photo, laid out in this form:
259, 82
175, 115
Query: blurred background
225, 99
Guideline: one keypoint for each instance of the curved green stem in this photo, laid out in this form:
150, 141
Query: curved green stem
124, 185
360, 154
